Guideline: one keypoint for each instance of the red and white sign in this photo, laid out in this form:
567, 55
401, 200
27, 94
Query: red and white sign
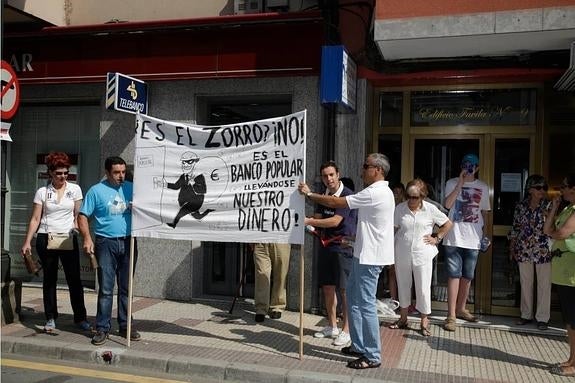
5, 132
10, 92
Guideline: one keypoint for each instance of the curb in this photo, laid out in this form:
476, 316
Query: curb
166, 363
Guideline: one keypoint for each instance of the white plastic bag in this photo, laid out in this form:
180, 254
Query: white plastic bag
386, 307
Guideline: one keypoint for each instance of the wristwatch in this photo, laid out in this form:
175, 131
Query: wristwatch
308, 194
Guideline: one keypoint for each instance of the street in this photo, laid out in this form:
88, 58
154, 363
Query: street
19, 369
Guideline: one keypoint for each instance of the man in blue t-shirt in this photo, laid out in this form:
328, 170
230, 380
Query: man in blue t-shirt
334, 258
109, 203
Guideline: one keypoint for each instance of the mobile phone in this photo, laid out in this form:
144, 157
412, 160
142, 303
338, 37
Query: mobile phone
469, 167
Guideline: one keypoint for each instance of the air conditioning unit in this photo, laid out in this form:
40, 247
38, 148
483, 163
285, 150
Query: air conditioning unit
242, 7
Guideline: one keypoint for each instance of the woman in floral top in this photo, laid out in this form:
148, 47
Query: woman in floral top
530, 248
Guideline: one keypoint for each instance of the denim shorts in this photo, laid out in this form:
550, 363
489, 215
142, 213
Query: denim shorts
460, 262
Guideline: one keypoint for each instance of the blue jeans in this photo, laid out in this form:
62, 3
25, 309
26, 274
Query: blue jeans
113, 255
460, 262
361, 301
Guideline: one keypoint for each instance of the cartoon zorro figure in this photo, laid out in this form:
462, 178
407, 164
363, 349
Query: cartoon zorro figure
192, 190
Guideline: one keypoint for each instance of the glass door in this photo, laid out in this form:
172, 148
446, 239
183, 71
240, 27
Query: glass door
511, 159
229, 267
435, 161
505, 163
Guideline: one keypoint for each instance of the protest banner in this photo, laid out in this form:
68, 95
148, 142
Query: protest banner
229, 183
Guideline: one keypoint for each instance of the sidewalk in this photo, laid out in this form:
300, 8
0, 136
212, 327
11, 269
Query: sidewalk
201, 338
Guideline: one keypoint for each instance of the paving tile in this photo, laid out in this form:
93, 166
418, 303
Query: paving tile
493, 352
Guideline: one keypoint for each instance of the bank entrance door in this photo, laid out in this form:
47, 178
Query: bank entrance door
504, 165
229, 267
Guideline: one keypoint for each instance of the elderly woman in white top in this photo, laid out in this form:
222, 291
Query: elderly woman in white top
415, 248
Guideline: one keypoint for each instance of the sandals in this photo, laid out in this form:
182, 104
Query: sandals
425, 331
351, 352
467, 316
362, 363
450, 324
399, 324
558, 370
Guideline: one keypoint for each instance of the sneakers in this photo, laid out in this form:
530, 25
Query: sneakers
134, 334
450, 324
327, 332
84, 326
342, 339
260, 318
50, 325
100, 338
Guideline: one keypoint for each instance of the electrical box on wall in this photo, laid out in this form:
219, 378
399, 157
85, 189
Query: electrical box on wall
242, 7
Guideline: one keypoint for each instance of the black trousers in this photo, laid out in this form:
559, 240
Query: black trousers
70, 260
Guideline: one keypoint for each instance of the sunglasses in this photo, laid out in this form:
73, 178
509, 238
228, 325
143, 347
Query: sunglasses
564, 186
367, 166
413, 197
61, 173
540, 187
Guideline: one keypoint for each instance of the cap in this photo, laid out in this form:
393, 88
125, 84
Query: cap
471, 158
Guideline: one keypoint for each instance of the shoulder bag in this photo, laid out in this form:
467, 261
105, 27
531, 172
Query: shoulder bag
57, 241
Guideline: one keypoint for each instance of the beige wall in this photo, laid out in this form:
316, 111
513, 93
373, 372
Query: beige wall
53, 11
83, 12
100, 11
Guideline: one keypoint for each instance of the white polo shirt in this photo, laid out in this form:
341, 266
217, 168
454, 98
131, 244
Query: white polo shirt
57, 216
374, 237
411, 227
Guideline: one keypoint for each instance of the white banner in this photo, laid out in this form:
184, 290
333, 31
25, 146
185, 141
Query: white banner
229, 183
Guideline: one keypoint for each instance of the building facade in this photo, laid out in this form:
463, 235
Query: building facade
206, 70
435, 80
479, 77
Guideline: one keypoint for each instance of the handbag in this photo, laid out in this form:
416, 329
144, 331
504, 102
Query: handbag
60, 241
57, 241
570, 243
31, 264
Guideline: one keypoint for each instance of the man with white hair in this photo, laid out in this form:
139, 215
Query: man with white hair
373, 249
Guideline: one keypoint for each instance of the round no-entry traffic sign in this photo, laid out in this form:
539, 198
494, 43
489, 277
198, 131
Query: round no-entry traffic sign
10, 91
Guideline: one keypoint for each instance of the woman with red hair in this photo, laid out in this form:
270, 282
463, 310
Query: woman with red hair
55, 210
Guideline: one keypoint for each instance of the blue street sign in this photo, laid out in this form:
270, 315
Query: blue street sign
126, 94
338, 80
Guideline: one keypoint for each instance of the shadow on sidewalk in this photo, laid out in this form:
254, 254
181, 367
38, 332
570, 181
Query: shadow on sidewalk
478, 351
